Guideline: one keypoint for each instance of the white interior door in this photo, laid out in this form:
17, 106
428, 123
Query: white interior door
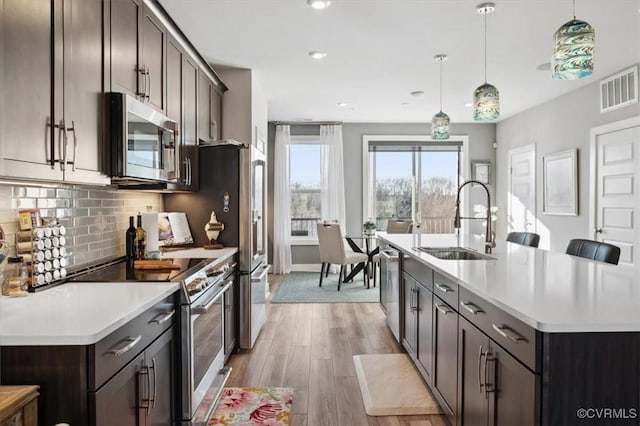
521, 199
617, 209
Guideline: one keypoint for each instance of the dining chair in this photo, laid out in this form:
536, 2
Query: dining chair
394, 226
595, 250
333, 251
530, 239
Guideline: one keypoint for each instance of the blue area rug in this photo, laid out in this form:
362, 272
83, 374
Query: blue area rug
302, 287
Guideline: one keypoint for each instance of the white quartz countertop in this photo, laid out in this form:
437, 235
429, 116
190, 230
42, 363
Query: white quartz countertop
76, 313
550, 291
200, 253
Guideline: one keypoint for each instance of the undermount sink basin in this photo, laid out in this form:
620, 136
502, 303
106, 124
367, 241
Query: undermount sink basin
454, 253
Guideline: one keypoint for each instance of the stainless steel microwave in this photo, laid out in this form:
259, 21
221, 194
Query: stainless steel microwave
143, 141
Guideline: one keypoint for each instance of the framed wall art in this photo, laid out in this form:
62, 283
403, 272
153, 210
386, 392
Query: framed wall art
560, 183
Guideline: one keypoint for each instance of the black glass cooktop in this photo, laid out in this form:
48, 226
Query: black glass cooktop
121, 270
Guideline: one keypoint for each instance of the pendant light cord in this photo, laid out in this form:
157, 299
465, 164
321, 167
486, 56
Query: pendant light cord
441, 61
574, 10
485, 48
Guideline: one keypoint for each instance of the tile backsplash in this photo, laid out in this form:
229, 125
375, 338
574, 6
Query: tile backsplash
95, 217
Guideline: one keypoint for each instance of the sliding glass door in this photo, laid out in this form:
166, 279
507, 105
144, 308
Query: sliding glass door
415, 182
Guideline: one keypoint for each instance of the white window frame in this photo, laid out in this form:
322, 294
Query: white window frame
303, 140
465, 169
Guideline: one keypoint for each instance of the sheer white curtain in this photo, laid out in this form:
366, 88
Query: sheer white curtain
332, 199
281, 202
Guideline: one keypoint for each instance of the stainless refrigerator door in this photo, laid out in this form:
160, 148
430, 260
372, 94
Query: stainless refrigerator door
253, 308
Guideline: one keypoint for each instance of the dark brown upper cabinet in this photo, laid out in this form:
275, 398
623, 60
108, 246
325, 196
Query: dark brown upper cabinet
51, 112
190, 122
137, 44
209, 109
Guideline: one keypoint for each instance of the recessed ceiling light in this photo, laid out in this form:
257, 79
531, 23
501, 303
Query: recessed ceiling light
417, 93
343, 104
319, 4
315, 54
405, 104
468, 105
485, 8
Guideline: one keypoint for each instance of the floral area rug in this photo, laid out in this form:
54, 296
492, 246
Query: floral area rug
253, 406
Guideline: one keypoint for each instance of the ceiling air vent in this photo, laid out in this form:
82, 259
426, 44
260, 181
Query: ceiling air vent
619, 90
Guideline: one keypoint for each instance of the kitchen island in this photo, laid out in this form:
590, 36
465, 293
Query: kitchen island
525, 337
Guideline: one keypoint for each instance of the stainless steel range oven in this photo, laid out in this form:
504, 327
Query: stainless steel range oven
202, 314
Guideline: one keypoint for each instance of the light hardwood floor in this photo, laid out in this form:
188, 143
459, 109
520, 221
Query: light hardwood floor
309, 346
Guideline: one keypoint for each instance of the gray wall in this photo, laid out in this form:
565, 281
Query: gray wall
560, 124
481, 139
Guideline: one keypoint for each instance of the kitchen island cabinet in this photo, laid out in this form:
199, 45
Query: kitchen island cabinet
103, 353
542, 338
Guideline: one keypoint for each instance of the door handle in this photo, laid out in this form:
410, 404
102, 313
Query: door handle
141, 72
202, 309
480, 355
596, 231
471, 308
75, 146
488, 387
155, 383
62, 135
443, 309
148, 85
415, 291
132, 342
260, 277
507, 333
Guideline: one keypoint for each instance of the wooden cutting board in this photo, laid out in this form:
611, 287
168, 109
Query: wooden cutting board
155, 264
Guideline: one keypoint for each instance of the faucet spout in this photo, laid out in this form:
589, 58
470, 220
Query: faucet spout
489, 236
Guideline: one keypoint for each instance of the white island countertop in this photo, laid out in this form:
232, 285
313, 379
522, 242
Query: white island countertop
77, 313
550, 291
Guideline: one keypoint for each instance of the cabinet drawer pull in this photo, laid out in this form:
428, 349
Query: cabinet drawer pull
165, 317
471, 308
132, 342
443, 309
443, 288
508, 333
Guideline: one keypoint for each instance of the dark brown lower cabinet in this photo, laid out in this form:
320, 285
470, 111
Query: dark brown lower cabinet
425, 330
409, 337
445, 369
493, 387
141, 393
230, 320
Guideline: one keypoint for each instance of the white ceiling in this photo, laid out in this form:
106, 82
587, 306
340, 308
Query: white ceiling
381, 50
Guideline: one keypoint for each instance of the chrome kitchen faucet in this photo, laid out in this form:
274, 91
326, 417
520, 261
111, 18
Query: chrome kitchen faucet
489, 235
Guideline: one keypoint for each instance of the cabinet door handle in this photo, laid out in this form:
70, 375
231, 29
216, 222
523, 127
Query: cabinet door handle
155, 383
416, 291
480, 355
132, 342
141, 72
166, 317
190, 170
471, 308
148, 76
443, 309
508, 333
72, 129
146, 402
443, 288
488, 387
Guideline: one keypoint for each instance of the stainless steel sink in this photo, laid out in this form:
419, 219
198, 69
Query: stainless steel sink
455, 253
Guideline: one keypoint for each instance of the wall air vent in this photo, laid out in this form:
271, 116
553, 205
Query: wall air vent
619, 90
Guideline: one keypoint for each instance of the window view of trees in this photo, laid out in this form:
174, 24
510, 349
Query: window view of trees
437, 201
304, 184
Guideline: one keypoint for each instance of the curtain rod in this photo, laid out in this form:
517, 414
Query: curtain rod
306, 123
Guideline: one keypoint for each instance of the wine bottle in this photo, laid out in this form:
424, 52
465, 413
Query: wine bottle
130, 238
141, 240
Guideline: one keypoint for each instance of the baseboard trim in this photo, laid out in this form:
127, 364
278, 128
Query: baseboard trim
305, 267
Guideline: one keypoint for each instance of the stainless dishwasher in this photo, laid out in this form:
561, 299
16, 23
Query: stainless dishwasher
390, 288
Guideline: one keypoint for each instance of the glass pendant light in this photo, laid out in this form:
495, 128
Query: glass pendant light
486, 98
440, 121
573, 50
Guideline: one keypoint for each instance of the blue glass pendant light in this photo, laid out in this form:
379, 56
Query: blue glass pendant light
440, 121
486, 98
573, 50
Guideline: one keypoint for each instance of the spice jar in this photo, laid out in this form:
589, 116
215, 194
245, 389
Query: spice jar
15, 279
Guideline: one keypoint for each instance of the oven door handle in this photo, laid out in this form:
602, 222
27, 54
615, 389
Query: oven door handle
260, 277
202, 309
